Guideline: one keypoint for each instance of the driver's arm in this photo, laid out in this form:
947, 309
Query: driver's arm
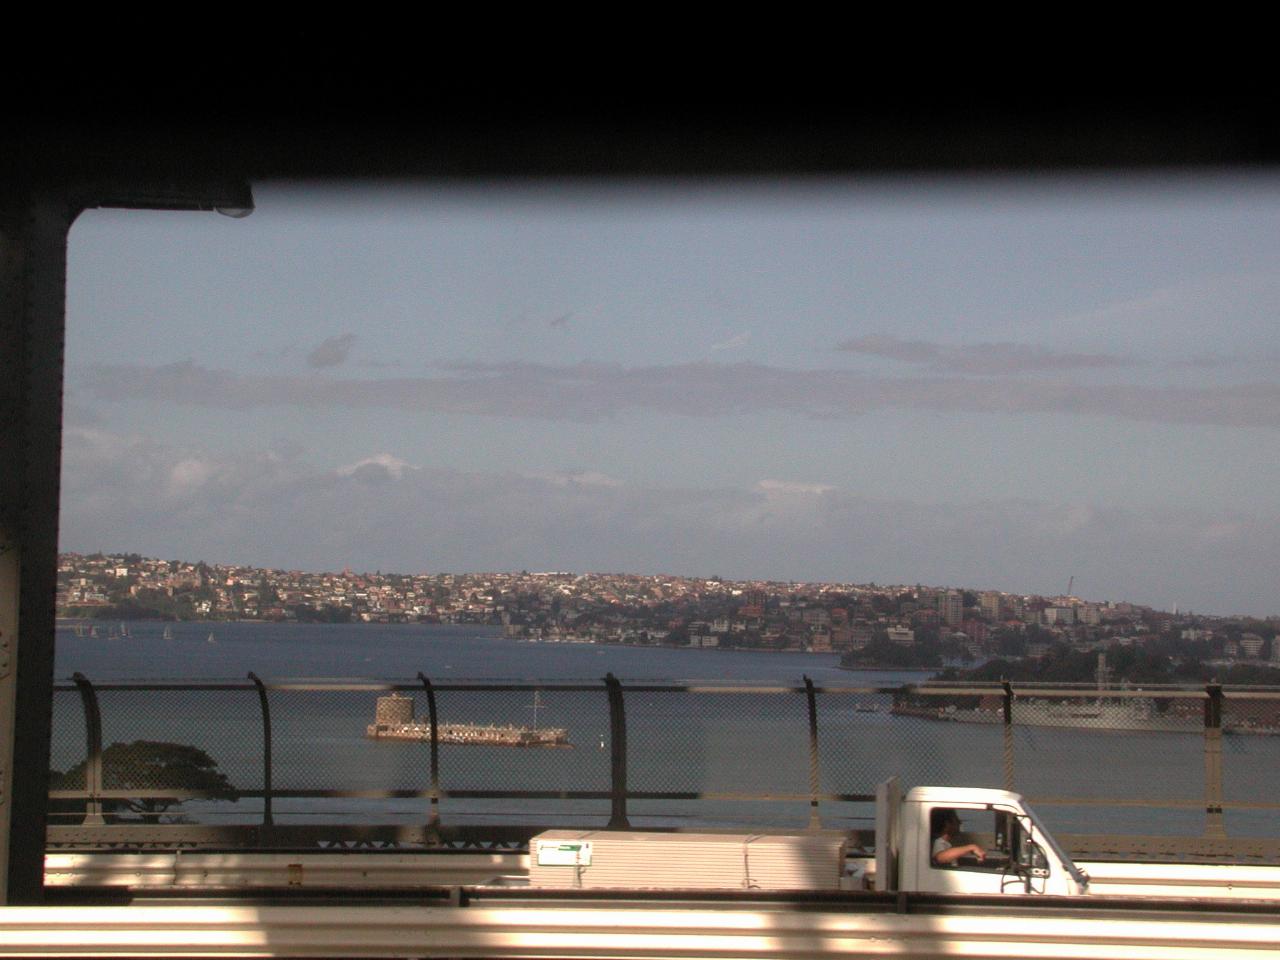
952, 854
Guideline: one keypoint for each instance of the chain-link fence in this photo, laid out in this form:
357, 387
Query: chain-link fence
717, 755
1200, 763
1089, 757
1250, 757
68, 748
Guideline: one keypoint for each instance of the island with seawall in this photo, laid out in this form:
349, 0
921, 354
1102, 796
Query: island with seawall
394, 720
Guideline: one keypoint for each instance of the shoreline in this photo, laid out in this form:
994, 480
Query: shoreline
930, 670
495, 628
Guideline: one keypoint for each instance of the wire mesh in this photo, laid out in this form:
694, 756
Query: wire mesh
535, 740
1140, 759
942, 738
205, 740
320, 741
67, 744
1250, 761
718, 741
67, 756
1064, 742
1132, 762
523, 740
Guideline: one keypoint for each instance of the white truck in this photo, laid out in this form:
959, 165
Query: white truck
1021, 856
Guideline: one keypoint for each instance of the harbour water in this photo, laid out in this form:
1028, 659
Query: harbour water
709, 742
443, 652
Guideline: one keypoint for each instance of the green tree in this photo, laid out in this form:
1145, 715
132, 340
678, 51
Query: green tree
152, 765
1009, 642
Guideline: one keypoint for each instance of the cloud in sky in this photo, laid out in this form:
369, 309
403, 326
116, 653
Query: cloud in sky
1249, 297
382, 513
988, 359
1212, 361
589, 391
793, 488
392, 466
733, 343
332, 352
586, 478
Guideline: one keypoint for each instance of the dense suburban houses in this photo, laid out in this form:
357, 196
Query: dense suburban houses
870, 624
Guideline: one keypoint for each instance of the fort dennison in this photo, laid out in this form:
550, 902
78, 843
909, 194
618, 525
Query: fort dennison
394, 720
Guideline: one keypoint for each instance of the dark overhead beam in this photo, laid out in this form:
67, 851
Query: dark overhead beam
687, 139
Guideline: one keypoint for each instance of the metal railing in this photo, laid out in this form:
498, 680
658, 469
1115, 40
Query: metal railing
664, 755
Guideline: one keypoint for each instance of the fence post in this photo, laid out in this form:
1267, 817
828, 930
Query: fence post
617, 754
1213, 825
93, 750
1008, 735
266, 750
815, 779
433, 823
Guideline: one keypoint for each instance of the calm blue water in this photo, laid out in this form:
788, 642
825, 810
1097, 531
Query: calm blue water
400, 651
707, 742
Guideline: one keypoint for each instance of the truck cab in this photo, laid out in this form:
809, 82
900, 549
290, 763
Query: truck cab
1021, 857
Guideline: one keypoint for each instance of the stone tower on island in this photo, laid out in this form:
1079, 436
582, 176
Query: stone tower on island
394, 710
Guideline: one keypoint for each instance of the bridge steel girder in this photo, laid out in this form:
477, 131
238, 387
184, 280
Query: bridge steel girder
36, 215
33, 263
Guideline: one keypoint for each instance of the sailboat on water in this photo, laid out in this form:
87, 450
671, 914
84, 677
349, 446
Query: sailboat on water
168, 633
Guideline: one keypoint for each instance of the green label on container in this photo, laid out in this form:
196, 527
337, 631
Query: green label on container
563, 853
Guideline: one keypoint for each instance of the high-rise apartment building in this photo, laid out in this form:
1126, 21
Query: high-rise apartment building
990, 605
951, 606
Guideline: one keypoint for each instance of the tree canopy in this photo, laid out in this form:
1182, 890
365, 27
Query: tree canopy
152, 765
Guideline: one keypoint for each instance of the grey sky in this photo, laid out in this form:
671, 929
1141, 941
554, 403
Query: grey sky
983, 383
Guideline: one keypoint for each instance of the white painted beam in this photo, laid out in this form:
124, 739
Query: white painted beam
622, 932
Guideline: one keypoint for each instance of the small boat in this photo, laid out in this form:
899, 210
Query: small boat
210, 639
168, 633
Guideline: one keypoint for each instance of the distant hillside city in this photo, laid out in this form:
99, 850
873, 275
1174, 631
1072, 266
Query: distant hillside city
873, 626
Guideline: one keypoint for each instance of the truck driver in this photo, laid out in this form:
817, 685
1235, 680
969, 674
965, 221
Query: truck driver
944, 826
